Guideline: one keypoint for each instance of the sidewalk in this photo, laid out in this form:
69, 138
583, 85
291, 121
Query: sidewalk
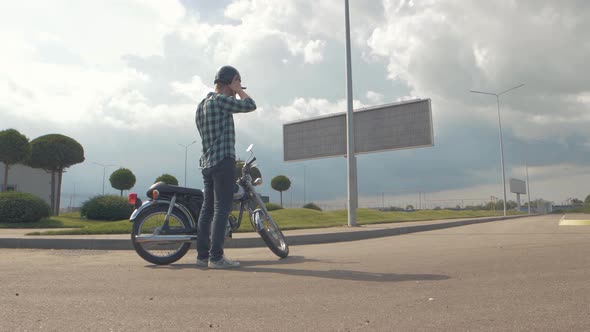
16, 238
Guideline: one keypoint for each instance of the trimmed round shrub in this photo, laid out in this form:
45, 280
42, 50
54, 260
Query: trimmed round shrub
167, 179
18, 207
106, 207
272, 207
312, 206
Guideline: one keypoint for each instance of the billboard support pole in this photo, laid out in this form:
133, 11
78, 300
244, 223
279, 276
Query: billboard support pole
528, 191
352, 176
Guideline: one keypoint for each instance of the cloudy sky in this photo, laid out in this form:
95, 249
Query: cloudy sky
123, 78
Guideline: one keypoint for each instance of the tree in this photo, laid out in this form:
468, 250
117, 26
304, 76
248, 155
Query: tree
499, 205
14, 149
576, 201
167, 179
54, 153
395, 208
491, 206
254, 171
410, 207
511, 205
587, 200
312, 206
280, 183
122, 179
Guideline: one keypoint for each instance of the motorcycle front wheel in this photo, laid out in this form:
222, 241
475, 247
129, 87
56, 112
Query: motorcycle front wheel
150, 222
271, 234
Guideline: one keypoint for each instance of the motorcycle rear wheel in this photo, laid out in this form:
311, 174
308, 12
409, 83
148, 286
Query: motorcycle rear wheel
272, 235
149, 222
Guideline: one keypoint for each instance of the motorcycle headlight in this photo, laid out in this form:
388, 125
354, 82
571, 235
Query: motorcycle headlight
257, 182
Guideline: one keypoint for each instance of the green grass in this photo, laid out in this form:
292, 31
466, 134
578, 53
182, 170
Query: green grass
306, 218
73, 220
581, 209
62, 221
287, 219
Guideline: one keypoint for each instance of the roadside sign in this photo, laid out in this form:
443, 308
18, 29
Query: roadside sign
387, 127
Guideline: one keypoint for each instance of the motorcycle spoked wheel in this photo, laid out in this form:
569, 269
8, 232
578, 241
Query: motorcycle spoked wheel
148, 223
272, 235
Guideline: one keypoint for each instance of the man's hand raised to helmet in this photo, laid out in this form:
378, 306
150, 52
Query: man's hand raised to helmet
236, 86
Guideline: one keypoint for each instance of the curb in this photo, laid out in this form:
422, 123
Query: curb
256, 242
373, 234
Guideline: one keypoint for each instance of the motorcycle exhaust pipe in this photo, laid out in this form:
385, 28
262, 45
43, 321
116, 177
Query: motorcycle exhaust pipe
164, 239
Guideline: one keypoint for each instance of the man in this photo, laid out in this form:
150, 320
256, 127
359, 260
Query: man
215, 123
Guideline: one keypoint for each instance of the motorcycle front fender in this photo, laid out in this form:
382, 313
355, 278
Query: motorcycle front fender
257, 219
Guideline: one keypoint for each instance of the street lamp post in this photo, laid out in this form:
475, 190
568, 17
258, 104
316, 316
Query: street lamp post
528, 190
350, 145
304, 184
500, 127
185, 157
104, 173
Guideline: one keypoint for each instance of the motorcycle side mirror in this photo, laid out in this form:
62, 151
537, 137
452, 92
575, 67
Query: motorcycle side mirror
249, 149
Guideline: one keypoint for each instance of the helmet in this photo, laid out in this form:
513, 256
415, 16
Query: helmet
226, 74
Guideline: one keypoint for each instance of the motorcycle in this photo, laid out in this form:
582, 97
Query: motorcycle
165, 225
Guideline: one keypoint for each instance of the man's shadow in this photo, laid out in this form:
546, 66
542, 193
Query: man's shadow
255, 266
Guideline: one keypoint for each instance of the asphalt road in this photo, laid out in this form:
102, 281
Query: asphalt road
528, 274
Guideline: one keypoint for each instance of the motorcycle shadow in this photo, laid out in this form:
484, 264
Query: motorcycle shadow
338, 274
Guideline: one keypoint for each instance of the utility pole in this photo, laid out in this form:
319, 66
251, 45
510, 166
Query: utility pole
304, 185
528, 190
350, 147
185, 157
104, 171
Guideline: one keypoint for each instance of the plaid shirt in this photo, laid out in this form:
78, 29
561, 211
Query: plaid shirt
215, 123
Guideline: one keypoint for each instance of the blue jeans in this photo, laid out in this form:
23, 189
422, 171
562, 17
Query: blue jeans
218, 195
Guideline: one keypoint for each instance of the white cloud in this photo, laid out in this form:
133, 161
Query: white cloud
374, 98
192, 90
125, 26
305, 24
312, 50
303, 108
63, 60
132, 66
443, 49
61, 94
583, 98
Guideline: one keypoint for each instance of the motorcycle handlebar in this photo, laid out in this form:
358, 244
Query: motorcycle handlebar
247, 165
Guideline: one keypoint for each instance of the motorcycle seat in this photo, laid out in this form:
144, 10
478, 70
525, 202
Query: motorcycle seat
164, 188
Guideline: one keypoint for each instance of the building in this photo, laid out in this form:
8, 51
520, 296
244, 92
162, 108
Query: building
25, 179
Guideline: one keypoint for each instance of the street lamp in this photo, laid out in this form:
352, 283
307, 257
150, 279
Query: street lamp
104, 170
500, 127
528, 190
185, 157
350, 145
304, 184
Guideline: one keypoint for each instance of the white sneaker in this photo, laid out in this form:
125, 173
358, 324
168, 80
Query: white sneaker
223, 263
202, 262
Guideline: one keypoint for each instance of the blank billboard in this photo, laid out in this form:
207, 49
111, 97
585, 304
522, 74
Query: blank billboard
388, 127
517, 186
